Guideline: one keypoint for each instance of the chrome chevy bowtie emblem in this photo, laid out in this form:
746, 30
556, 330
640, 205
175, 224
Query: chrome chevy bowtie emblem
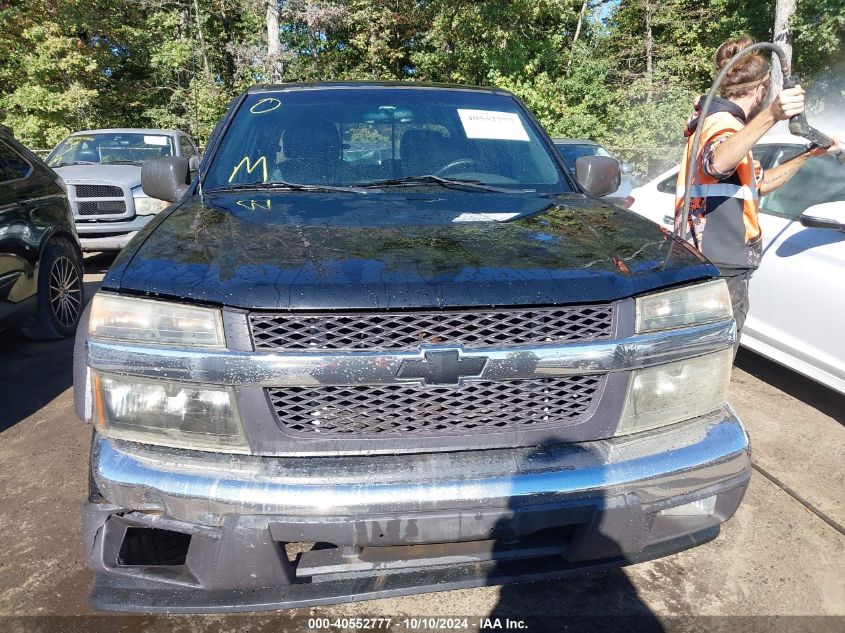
442, 367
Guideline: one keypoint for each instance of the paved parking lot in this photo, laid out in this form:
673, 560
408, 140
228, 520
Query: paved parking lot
783, 554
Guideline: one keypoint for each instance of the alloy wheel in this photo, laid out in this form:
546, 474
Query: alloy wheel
65, 291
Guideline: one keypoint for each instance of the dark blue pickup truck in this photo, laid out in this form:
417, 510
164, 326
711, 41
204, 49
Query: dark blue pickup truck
386, 342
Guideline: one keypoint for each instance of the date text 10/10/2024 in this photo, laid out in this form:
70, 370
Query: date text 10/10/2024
420, 623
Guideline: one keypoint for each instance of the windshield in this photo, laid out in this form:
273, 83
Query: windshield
114, 148
571, 152
379, 136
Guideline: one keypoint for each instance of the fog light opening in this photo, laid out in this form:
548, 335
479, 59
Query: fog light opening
152, 546
701, 507
294, 550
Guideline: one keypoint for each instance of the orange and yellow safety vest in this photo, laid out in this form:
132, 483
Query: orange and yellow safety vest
723, 219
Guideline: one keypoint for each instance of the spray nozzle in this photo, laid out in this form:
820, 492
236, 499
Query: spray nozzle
799, 126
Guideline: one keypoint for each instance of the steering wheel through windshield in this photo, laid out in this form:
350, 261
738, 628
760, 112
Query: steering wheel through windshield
461, 162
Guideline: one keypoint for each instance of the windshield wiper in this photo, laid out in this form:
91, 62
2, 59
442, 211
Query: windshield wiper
431, 179
76, 162
285, 186
123, 162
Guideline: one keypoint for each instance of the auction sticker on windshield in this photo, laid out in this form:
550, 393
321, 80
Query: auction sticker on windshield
489, 124
484, 217
155, 140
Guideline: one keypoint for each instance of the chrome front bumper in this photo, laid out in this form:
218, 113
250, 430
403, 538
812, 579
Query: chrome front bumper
665, 465
402, 525
108, 243
105, 235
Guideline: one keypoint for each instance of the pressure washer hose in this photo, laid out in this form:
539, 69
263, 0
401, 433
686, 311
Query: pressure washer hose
705, 110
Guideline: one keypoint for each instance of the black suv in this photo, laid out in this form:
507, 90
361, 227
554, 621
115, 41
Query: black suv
40, 260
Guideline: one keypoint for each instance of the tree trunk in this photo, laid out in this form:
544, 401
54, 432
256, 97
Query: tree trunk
649, 50
203, 50
577, 33
183, 74
274, 45
449, 48
313, 42
784, 11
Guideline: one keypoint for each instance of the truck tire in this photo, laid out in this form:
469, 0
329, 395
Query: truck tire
60, 293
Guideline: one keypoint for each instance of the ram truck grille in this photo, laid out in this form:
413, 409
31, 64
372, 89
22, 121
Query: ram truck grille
98, 191
409, 330
370, 411
113, 207
92, 202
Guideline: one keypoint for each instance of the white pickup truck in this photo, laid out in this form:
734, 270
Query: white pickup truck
102, 170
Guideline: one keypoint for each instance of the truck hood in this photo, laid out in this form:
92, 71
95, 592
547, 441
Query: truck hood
400, 250
128, 175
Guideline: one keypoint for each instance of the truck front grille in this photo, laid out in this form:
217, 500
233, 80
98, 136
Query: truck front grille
112, 207
98, 191
92, 202
369, 411
408, 330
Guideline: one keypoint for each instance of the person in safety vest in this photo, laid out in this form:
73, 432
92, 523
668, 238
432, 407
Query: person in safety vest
728, 182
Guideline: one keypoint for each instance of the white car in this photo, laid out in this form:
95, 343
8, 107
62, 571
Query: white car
798, 293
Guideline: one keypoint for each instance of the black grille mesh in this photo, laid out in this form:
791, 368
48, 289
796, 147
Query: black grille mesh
98, 191
407, 330
114, 207
370, 411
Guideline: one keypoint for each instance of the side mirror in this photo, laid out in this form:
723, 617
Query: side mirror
598, 175
193, 163
627, 168
166, 178
830, 215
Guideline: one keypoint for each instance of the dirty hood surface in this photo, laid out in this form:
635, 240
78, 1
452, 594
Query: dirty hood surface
400, 250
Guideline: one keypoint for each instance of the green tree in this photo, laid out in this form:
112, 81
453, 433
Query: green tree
624, 72
64, 65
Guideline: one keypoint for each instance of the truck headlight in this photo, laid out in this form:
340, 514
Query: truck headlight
149, 206
167, 413
149, 321
690, 305
665, 394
